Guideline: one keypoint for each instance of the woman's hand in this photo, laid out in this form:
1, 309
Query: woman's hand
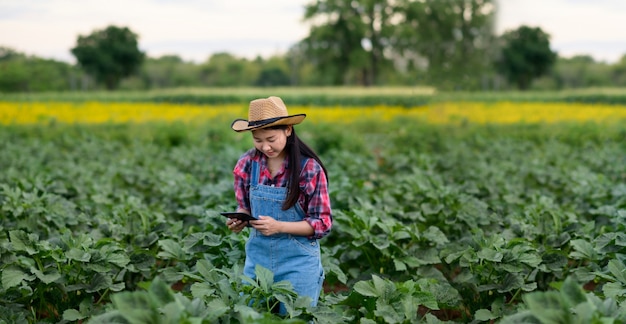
235, 225
267, 225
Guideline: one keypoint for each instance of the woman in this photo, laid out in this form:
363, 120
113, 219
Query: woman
283, 184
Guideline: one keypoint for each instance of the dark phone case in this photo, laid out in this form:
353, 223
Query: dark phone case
238, 215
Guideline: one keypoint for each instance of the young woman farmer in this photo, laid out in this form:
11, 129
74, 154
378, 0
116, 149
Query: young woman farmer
282, 183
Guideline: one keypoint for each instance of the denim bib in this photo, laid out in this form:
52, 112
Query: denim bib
290, 257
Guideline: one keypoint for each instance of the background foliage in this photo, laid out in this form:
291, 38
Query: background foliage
448, 45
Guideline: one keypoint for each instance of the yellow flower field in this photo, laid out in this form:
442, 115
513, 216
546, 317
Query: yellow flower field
436, 113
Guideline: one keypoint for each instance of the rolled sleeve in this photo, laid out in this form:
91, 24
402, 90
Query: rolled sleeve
314, 186
241, 174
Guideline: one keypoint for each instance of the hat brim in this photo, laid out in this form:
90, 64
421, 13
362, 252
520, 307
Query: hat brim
242, 125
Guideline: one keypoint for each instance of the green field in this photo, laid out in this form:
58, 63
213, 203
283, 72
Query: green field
329, 96
434, 224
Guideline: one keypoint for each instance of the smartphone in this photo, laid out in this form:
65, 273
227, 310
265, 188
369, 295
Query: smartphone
238, 215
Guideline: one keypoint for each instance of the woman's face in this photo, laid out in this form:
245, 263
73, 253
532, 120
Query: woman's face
271, 142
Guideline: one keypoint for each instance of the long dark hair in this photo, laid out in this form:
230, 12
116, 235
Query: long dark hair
296, 151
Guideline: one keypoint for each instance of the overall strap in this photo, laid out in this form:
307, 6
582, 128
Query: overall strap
254, 177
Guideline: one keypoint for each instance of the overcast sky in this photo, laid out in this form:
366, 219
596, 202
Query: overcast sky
193, 29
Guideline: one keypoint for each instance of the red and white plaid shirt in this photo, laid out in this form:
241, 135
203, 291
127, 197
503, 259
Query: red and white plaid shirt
313, 199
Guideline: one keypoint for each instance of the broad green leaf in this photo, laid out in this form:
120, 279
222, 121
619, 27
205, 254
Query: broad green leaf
583, 250
511, 282
118, 286
620, 239
247, 313
399, 265
484, 315
366, 288
531, 259
78, 255
202, 290
453, 255
384, 287
430, 301
99, 282
22, 241
330, 315
174, 313
119, 259
410, 306
171, 274
490, 255
614, 290
554, 261
514, 268
435, 235
381, 242
293, 307
431, 209
204, 268
618, 269
73, 315
428, 256
137, 307
265, 277
412, 262
161, 292
12, 277
217, 308
361, 239
48, 277
469, 258
226, 289
401, 235
531, 286
211, 239
605, 242
283, 286
367, 321
387, 312
98, 267
193, 239
335, 269
548, 307
171, 250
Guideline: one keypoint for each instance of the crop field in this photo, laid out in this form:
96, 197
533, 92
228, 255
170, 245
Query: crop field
459, 211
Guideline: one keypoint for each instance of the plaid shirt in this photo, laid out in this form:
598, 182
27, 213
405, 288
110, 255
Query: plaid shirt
313, 199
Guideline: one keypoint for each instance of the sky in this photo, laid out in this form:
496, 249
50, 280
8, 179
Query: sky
195, 29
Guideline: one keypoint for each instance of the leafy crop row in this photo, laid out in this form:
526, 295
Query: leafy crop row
435, 224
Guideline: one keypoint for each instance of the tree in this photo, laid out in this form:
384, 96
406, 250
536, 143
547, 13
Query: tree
372, 42
226, 70
618, 73
21, 73
348, 43
580, 71
274, 72
525, 55
109, 55
169, 71
453, 38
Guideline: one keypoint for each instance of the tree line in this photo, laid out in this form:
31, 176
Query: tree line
450, 45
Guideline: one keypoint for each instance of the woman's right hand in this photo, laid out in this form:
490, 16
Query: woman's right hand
235, 225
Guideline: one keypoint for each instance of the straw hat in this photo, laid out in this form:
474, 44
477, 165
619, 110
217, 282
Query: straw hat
266, 112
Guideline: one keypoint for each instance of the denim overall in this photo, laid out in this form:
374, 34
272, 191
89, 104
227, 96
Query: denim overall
290, 257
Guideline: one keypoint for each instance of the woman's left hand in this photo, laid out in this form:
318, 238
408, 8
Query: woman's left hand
266, 225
